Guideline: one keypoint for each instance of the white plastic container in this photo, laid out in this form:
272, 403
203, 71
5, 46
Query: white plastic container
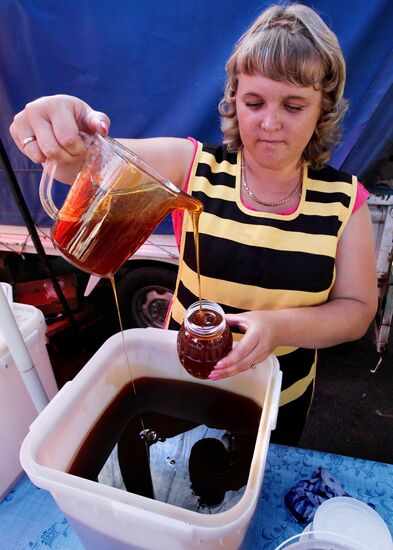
106, 517
7, 289
354, 519
320, 540
342, 523
17, 411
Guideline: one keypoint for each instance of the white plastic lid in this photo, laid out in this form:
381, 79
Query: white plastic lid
7, 289
29, 319
354, 519
314, 540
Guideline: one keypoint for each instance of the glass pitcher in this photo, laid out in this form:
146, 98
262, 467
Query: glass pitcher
113, 206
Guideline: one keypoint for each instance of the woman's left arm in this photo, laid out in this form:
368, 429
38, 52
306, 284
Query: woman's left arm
345, 316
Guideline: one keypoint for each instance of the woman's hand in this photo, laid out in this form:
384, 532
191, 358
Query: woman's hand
55, 123
257, 344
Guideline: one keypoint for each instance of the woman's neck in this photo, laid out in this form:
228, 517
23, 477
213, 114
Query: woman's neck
269, 189
281, 176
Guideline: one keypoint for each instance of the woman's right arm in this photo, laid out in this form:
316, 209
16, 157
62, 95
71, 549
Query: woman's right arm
56, 123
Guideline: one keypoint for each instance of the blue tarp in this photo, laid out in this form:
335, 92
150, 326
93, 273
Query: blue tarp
157, 68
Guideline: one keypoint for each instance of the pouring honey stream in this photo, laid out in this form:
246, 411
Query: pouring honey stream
113, 206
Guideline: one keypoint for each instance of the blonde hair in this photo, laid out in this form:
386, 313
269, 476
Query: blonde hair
293, 44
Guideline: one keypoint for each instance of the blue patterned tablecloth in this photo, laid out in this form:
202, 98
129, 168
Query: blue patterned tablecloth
31, 520
272, 523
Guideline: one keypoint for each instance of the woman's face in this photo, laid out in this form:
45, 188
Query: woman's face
276, 119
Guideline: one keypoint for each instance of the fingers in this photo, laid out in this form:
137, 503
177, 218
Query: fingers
21, 129
95, 121
255, 346
242, 357
56, 122
230, 371
219, 372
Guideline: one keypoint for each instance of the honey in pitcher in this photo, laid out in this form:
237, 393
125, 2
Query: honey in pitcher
203, 339
97, 230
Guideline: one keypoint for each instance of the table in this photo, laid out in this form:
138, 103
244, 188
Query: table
363, 479
31, 520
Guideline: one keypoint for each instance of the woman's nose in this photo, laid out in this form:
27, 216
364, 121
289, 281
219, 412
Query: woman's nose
271, 120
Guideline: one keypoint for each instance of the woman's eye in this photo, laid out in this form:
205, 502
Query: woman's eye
253, 104
293, 108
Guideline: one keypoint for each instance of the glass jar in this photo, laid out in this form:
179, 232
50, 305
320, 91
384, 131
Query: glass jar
203, 339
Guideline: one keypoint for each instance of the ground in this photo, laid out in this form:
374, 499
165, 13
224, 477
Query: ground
352, 412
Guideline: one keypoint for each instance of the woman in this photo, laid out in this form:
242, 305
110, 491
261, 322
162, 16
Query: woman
286, 242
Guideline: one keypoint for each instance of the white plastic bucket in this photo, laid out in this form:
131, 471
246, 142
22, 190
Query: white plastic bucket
17, 411
107, 517
7, 289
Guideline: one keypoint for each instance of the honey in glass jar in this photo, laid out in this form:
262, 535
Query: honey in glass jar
204, 338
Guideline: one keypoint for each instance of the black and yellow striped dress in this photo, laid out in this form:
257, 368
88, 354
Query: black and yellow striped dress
253, 260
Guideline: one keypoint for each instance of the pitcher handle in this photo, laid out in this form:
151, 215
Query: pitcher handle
45, 188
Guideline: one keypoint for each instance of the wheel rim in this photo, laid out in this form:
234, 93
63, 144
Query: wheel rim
150, 306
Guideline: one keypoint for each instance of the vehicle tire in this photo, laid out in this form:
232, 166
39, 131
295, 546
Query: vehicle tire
144, 294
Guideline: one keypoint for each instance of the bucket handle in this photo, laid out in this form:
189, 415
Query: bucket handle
275, 392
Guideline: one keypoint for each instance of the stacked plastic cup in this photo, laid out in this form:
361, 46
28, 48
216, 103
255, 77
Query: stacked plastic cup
342, 523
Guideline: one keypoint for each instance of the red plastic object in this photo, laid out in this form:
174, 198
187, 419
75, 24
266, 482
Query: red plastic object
42, 294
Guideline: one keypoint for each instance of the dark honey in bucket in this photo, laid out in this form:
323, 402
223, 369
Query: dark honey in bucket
203, 339
216, 468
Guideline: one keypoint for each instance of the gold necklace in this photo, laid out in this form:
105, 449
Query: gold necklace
277, 203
